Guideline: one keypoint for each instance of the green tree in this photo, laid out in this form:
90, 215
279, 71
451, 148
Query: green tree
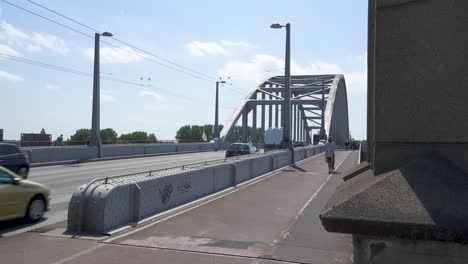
108, 135
196, 133
184, 133
81, 136
135, 137
208, 129
152, 138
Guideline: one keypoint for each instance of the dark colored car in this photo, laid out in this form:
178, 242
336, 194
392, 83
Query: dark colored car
12, 158
299, 144
238, 149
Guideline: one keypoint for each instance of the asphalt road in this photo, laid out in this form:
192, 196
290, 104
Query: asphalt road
63, 180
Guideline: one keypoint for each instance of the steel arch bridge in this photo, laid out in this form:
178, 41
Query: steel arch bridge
319, 105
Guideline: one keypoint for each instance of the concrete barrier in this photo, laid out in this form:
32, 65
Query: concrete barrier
81, 153
48, 154
104, 205
122, 150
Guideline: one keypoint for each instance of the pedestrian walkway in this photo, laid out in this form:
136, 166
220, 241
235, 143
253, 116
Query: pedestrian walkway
273, 220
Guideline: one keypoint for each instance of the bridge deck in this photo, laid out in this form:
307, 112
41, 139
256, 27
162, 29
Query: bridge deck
274, 220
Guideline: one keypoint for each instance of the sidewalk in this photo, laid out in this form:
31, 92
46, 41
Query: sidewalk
274, 220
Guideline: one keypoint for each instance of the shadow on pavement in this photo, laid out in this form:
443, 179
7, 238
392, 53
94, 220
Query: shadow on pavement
16, 224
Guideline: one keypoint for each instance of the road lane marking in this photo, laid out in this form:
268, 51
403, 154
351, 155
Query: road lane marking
228, 191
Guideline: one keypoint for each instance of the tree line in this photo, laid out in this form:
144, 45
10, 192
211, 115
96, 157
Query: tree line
186, 133
192, 133
110, 136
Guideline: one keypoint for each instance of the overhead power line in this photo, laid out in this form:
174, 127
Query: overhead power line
126, 43
86, 74
64, 16
194, 73
48, 19
108, 43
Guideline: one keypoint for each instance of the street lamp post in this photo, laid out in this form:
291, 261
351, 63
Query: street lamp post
95, 123
216, 123
286, 109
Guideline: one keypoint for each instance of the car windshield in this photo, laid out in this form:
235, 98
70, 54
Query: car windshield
238, 147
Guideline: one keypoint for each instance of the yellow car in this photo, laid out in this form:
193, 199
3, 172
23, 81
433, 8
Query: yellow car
21, 198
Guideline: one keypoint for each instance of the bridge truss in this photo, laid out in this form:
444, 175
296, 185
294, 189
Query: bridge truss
319, 105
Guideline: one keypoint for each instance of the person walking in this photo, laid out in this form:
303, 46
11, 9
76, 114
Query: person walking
330, 148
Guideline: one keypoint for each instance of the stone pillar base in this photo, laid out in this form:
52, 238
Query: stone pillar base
383, 250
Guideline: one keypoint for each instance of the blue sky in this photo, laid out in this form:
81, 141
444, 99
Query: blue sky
217, 38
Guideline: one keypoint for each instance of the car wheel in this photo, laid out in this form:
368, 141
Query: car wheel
23, 172
36, 209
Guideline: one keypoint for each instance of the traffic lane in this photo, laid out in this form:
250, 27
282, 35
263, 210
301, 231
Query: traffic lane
122, 164
64, 180
72, 174
245, 223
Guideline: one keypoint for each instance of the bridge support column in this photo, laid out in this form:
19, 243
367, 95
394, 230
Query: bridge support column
305, 130
409, 205
245, 116
297, 122
276, 113
263, 117
254, 126
270, 114
300, 125
293, 121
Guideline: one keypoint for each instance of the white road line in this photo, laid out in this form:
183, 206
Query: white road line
320, 188
240, 187
72, 257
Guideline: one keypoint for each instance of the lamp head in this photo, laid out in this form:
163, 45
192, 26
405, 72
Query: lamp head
276, 25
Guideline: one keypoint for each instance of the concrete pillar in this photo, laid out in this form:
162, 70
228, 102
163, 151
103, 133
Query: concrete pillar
410, 205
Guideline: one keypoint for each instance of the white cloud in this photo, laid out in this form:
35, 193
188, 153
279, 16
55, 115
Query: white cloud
243, 44
356, 81
53, 88
263, 66
197, 48
7, 50
9, 31
212, 48
110, 55
155, 107
150, 95
153, 101
10, 76
356, 77
50, 42
318, 67
33, 41
254, 71
33, 48
108, 98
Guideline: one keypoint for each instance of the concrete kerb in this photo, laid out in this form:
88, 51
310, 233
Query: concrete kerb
113, 206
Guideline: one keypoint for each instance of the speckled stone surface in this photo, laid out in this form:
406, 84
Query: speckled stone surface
425, 199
